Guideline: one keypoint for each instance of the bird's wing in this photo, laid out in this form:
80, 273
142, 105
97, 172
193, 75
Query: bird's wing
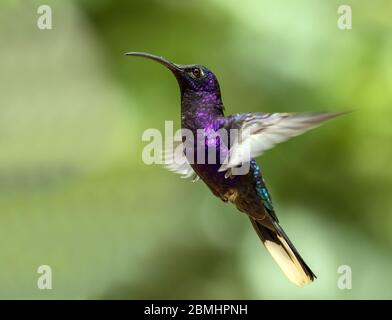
258, 132
174, 159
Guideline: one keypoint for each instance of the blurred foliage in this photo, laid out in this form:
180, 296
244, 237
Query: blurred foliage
76, 195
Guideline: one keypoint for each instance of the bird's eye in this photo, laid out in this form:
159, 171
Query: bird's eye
197, 73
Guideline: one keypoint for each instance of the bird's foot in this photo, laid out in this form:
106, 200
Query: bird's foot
228, 174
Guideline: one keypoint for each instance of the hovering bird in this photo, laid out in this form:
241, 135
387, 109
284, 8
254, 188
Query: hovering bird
202, 108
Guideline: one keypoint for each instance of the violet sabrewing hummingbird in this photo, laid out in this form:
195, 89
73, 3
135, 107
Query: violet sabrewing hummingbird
202, 109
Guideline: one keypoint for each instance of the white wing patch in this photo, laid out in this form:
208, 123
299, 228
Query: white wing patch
262, 131
174, 159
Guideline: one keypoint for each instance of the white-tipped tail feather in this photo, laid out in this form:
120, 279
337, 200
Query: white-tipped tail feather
284, 253
288, 263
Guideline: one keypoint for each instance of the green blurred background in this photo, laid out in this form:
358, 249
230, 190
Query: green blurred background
75, 194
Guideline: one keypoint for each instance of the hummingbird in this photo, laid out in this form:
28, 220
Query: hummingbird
202, 109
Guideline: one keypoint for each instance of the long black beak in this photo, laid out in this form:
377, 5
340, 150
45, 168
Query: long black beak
170, 65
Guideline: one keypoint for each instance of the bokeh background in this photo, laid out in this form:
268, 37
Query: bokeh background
75, 194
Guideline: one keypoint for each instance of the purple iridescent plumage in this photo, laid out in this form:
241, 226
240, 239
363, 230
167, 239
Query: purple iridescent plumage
202, 110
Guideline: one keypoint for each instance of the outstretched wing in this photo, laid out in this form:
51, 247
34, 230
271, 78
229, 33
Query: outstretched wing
258, 132
174, 159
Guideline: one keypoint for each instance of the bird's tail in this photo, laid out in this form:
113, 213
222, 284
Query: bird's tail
284, 253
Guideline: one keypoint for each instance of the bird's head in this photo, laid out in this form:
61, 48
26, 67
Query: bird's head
190, 77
